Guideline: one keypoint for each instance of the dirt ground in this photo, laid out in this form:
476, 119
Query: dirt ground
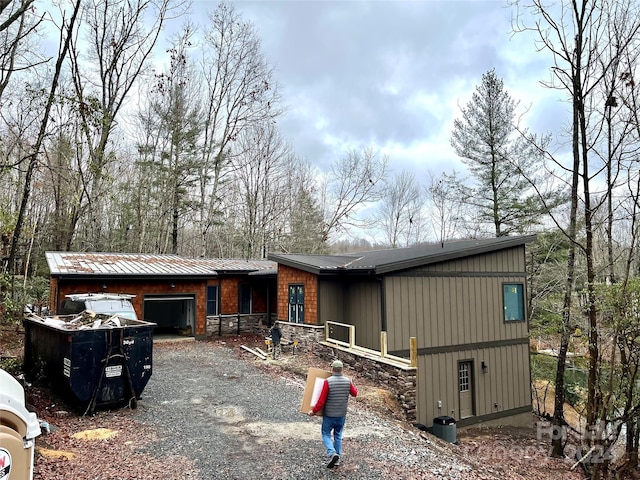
508, 453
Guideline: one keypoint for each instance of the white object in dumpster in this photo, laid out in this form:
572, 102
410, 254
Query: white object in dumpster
18, 429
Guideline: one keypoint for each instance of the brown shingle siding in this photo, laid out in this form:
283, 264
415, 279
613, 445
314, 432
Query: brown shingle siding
291, 276
229, 296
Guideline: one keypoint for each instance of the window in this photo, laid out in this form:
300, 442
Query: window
464, 369
212, 300
513, 302
296, 303
244, 291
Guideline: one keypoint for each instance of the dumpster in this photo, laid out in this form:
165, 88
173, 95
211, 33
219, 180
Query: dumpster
92, 360
18, 429
445, 428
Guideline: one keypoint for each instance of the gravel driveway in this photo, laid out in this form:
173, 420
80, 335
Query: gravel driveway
236, 421
213, 411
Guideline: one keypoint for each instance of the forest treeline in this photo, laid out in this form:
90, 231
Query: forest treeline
113, 142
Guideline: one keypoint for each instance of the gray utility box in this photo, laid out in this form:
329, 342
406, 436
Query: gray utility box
445, 428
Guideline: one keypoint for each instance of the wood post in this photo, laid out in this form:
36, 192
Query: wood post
383, 344
413, 349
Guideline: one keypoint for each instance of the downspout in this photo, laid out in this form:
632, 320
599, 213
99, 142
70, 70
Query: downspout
268, 303
219, 306
55, 297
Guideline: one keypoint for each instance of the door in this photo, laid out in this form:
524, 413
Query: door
465, 388
171, 312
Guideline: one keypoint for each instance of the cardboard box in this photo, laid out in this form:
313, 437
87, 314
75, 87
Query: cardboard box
313, 388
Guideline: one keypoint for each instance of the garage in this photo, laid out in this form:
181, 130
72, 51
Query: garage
178, 294
171, 312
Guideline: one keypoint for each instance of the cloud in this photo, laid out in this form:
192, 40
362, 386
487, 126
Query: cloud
391, 74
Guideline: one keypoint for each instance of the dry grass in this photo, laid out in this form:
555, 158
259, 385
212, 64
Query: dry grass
544, 399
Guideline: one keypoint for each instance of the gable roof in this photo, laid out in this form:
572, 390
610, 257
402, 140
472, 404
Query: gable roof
139, 264
394, 259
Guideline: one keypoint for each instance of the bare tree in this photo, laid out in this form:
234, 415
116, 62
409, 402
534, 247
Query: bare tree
121, 35
261, 173
18, 26
399, 210
445, 205
240, 92
13, 11
577, 35
67, 30
354, 180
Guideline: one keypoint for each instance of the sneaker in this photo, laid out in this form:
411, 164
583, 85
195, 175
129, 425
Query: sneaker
334, 459
338, 463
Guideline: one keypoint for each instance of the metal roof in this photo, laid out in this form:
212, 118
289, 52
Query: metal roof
390, 260
139, 264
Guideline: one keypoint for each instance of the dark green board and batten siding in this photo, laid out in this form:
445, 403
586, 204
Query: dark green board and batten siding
453, 303
354, 302
455, 311
504, 388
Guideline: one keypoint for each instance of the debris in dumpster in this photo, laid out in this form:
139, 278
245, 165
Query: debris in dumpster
86, 320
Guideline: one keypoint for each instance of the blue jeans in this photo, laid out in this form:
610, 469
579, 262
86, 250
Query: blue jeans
335, 424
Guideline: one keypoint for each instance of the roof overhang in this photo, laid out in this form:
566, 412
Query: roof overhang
454, 255
356, 264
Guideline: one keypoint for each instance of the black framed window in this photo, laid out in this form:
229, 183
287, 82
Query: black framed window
296, 303
244, 292
212, 300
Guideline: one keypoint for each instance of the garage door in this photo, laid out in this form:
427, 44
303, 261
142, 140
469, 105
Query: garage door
170, 312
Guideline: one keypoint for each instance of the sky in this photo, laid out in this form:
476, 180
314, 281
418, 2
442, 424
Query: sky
393, 75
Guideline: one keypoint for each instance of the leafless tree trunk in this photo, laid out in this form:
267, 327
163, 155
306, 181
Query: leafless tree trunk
399, 210
67, 31
121, 40
15, 33
240, 92
577, 35
446, 205
261, 171
353, 180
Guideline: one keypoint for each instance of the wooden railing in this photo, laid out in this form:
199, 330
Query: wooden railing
412, 361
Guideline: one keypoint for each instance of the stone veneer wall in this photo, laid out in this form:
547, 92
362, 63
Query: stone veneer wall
219, 325
306, 335
399, 380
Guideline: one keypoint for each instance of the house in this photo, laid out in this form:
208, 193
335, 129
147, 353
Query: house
198, 296
462, 301
461, 304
